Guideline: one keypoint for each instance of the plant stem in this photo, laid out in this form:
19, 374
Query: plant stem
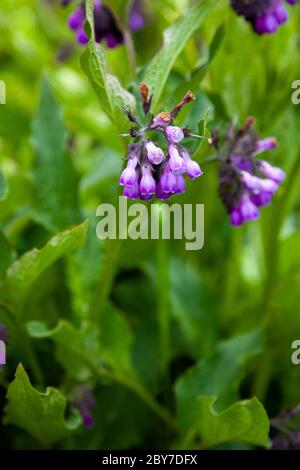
135, 386
263, 374
163, 287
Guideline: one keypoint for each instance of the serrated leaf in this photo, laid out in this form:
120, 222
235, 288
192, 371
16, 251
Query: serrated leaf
56, 202
21, 275
107, 87
82, 350
175, 38
75, 348
40, 414
206, 394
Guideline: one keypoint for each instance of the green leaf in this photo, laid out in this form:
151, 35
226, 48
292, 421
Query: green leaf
7, 255
175, 38
21, 275
82, 350
41, 414
107, 87
3, 186
205, 394
76, 349
245, 421
56, 202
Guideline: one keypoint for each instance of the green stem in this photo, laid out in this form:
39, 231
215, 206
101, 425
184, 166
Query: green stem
263, 374
136, 387
230, 277
163, 287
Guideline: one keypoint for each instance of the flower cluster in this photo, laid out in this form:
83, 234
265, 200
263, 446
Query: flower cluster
289, 437
83, 400
265, 16
106, 26
105, 23
154, 171
246, 183
3, 341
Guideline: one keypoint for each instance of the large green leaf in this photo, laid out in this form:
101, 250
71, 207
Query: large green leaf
206, 393
41, 414
21, 275
56, 202
175, 38
107, 87
245, 421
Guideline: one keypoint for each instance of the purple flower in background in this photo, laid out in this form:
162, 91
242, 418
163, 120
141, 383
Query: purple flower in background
105, 23
3, 341
150, 169
265, 16
287, 425
136, 15
83, 400
245, 182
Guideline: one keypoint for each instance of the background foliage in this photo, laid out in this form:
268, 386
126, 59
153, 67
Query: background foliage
183, 349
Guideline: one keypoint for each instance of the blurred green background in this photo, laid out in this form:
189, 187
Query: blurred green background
171, 342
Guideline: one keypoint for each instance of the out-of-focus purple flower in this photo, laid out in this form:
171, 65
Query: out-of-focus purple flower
246, 183
105, 24
83, 400
150, 170
288, 429
136, 15
265, 16
3, 340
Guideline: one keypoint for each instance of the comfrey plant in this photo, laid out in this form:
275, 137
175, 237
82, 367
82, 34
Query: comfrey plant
106, 24
289, 431
246, 183
265, 16
152, 170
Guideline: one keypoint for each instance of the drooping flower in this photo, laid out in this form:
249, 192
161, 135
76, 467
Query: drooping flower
136, 15
150, 169
265, 16
107, 27
83, 400
245, 182
105, 24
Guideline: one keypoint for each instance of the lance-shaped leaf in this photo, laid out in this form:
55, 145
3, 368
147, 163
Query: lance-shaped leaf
56, 201
175, 38
107, 87
207, 392
40, 414
21, 275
